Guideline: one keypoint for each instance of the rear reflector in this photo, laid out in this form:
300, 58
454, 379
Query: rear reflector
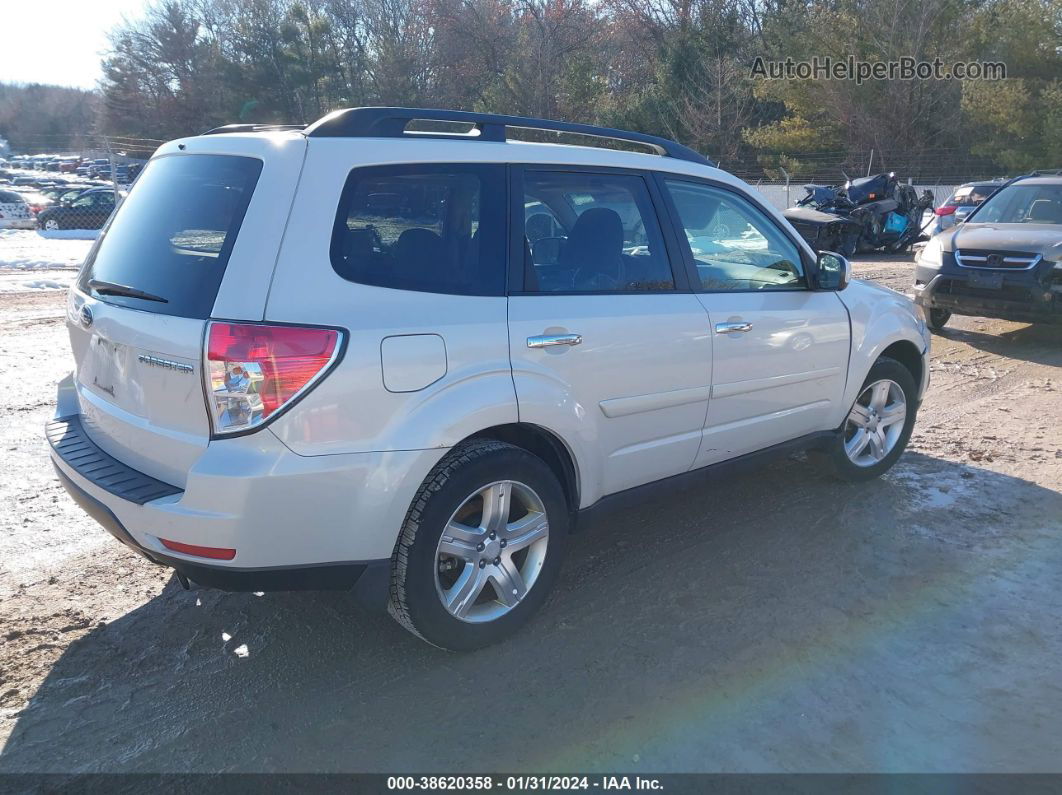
215, 553
253, 369
946, 209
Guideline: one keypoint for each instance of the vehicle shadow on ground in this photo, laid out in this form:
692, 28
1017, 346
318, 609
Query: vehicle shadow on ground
1038, 343
777, 620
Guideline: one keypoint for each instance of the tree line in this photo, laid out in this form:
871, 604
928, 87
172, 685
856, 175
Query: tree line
680, 68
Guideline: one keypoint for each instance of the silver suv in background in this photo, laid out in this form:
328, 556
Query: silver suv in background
411, 361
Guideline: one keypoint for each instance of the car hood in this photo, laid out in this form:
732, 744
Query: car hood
1045, 239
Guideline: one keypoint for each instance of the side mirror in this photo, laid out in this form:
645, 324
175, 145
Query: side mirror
832, 272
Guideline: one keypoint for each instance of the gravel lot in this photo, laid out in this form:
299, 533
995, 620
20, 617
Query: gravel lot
775, 621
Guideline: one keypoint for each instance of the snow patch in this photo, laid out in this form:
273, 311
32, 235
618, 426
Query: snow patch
30, 250
934, 490
16, 281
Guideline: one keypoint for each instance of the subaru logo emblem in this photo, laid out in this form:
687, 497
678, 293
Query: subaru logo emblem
86, 316
995, 260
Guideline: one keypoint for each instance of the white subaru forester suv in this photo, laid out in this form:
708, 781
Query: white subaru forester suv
399, 352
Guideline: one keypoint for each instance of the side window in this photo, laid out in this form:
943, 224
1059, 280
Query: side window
586, 232
734, 245
430, 228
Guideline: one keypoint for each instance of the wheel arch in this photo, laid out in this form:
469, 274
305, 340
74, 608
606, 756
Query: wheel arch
907, 354
544, 444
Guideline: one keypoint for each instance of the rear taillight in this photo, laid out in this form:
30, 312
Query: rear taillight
254, 370
946, 209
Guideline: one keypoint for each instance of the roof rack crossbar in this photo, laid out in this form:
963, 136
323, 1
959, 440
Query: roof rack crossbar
247, 128
392, 123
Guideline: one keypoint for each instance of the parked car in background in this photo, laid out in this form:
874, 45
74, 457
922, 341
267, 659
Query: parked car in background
64, 193
99, 165
69, 164
15, 212
37, 200
333, 357
959, 205
1004, 261
90, 210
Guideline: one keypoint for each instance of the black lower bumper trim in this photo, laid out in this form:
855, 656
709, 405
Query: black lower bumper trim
1023, 302
325, 577
370, 580
70, 442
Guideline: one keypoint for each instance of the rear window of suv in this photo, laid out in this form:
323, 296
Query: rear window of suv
437, 228
172, 237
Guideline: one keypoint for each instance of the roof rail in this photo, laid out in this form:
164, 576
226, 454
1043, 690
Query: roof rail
246, 128
392, 122
1045, 172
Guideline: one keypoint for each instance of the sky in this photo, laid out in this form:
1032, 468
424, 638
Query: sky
59, 41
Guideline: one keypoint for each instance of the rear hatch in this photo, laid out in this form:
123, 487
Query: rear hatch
203, 222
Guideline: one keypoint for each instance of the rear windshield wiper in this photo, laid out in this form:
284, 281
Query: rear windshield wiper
111, 288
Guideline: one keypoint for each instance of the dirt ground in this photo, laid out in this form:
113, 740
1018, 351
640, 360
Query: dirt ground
777, 621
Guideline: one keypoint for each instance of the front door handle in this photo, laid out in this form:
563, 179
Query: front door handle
546, 340
732, 328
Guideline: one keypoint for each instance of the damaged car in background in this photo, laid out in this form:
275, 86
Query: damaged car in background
865, 214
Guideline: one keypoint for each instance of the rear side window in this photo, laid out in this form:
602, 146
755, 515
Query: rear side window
591, 232
9, 197
430, 228
172, 237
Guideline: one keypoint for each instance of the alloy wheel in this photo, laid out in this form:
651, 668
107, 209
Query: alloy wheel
875, 423
491, 551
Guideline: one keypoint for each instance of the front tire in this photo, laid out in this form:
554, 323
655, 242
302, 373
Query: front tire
879, 424
936, 319
480, 547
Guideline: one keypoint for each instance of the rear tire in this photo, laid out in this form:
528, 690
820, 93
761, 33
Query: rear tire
936, 319
874, 435
453, 589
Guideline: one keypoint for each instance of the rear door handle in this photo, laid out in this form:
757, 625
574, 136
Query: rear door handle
732, 328
546, 340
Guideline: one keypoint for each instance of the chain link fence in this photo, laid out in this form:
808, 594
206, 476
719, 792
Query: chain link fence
68, 185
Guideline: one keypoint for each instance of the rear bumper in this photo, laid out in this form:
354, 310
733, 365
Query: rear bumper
1022, 298
296, 522
369, 578
18, 223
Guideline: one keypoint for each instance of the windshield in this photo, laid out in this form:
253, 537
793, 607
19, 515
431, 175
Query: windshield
171, 238
1022, 204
